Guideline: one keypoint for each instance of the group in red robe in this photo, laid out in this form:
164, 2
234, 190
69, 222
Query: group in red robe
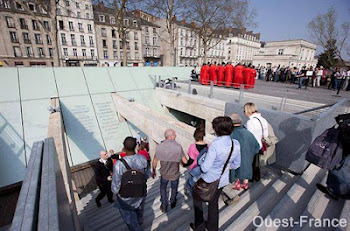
229, 70
204, 75
253, 75
213, 73
238, 78
221, 74
246, 77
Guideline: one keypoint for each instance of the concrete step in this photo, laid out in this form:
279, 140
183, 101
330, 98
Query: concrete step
320, 207
264, 204
297, 198
345, 214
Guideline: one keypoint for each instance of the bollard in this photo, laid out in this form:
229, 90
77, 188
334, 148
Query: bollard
283, 101
189, 87
159, 78
172, 83
241, 91
211, 89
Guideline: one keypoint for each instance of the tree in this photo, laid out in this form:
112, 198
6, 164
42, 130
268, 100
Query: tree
213, 17
326, 32
328, 58
169, 10
50, 10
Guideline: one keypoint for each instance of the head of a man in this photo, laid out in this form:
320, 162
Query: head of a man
129, 145
103, 155
170, 134
236, 119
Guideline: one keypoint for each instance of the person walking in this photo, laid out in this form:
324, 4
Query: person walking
213, 169
257, 125
317, 80
170, 154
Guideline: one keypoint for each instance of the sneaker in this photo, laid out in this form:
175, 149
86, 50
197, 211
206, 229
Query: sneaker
98, 203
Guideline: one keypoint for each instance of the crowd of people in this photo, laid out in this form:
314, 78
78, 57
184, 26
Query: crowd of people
234, 156
244, 75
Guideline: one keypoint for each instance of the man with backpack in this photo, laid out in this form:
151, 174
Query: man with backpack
129, 183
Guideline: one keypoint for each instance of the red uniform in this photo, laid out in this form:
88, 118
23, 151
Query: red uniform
253, 75
228, 75
246, 77
238, 76
221, 75
213, 74
204, 74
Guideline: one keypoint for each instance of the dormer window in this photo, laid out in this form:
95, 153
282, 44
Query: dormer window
101, 18
135, 23
112, 19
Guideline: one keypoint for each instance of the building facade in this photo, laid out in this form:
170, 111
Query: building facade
76, 33
25, 36
216, 50
292, 53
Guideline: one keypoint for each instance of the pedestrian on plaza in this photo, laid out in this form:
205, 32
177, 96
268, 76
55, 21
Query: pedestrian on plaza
103, 173
293, 75
249, 148
262, 73
130, 207
277, 73
309, 75
347, 84
258, 126
170, 154
338, 78
268, 74
301, 75
317, 80
213, 169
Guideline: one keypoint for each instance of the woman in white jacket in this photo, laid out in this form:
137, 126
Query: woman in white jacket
258, 126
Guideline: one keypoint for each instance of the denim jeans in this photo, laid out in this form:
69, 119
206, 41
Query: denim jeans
132, 217
164, 193
301, 79
337, 84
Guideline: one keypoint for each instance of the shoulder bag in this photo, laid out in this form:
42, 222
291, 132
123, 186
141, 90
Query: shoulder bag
263, 141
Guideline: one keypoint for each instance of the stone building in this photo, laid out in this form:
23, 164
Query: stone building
292, 53
23, 39
215, 52
110, 49
76, 33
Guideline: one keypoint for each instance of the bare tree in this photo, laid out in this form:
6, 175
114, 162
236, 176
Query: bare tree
213, 17
49, 8
325, 32
169, 10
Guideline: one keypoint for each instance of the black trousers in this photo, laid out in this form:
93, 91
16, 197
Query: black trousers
212, 223
105, 189
256, 168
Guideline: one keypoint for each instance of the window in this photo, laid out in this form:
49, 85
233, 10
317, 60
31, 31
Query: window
137, 55
91, 40
38, 39
128, 55
114, 34
19, 7
114, 44
121, 54
75, 52
61, 25
48, 39
13, 36
136, 37
71, 27
154, 41
147, 51
101, 18
126, 22
136, 46
105, 54
154, 30
86, 6
112, 20
146, 29
69, 13
29, 51
31, 7
89, 28
80, 26
47, 25
50, 52
35, 25
147, 40
63, 38
26, 37
280, 51
41, 52
115, 54
120, 44
82, 40
103, 32
6, 4
92, 52
104, 43
181, 51
87, 16
23, 23
17, 52
77, 5
67, 3
10, 22
65, 51
83, 52
154, 52
181, 42
78, 14
72, 37
135, 23
128, 45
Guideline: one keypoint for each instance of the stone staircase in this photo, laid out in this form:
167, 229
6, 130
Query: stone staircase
279, 194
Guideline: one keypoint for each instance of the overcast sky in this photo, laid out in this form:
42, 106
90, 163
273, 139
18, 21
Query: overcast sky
288, 19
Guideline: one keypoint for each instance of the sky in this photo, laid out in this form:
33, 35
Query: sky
288, 19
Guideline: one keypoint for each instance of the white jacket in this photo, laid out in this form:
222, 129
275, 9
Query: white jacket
253, 125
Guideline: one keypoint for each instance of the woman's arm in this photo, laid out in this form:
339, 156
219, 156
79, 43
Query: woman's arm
209, 158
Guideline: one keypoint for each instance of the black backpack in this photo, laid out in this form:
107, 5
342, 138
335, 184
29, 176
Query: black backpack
326, 150
133, 182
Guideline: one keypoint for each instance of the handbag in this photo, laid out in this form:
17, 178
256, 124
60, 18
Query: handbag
263, 141
204, 191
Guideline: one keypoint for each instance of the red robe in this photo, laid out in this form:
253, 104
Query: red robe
204, 74
221, 75
228, 75
246, 77
253, 75
238, 76
213, 74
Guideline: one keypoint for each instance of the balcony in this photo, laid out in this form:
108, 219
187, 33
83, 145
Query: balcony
64, 42
24, 27
79, 57
74, 43
38, 42
92, 44
27, 41
83, 44
14, 40
115, 47
81, 29
105, 46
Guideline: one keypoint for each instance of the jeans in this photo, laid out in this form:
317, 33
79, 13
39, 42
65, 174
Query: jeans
337, 84
213, 213
276, 78
301, 79
316, 81
164, 193
131, 216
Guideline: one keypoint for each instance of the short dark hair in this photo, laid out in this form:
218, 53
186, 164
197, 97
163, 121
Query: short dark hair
199, 134
222, 125
129, 143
